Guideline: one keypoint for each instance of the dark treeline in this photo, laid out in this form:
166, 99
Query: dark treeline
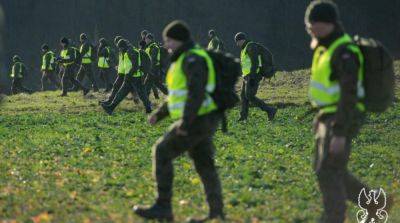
279, 24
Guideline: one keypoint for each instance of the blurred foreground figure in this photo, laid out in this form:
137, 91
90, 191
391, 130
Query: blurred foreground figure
337, 91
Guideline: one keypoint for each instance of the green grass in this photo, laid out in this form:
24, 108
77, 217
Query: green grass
64, 160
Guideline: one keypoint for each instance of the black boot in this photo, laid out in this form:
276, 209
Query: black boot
271, 114
85, 91
107, 108
156, 212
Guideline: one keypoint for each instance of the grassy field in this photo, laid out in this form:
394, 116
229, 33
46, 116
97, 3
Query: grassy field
64, 160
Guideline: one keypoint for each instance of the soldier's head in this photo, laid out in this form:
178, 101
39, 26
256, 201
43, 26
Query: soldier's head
45, 48
322, 16
64, 42
240, 39
122, 45
117, 39
83, 37
176, 34
211, 33
143, 34
103, 41
149, 38
16, 58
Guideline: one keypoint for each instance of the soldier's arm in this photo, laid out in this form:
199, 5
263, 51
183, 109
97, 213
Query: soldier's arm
153, 55
346, 68
133, 56
196, 71
253, 54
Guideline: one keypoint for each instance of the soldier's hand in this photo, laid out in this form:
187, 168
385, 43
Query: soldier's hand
337, 145
153, 120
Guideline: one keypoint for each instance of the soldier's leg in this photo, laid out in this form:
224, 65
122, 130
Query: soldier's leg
116, 86
64, 81
124, 90
81, 73
251, 91
203, 158
244, 111
43, 79
165, 151
90, 75
331, 171
77, 84
159, 83
139, 88
14, 86
53, 79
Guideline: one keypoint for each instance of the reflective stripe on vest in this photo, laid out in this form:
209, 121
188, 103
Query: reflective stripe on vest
52, 59
14, 72
158, 52
178, 90
104, 61
245, 61
64, 55
87, 58
325, 93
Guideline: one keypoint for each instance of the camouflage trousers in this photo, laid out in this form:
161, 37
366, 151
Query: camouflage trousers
86, 70
335, 182
199, 145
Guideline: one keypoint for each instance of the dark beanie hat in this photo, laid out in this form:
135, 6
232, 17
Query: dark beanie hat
45, 47
240, 36
122, 44
177, 30
64, 40
322, 11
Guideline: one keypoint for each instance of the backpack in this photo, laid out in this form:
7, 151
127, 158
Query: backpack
228, 71
267, 69
379, 74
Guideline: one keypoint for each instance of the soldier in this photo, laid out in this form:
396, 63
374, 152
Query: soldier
48, 67
18, 72
215, 42
86, 51
190, 80
129, 59
250, 61
154, 80
104, 65
67, 60
336, 89
120, 76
